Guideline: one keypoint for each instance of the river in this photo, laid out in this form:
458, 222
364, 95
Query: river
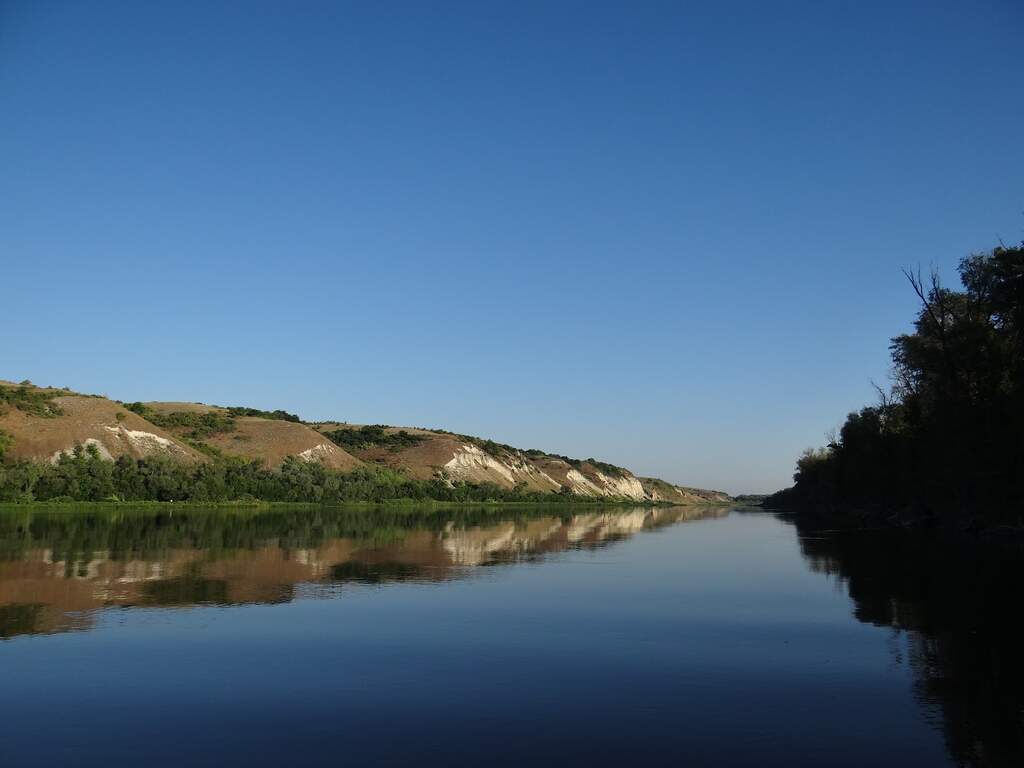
512, 636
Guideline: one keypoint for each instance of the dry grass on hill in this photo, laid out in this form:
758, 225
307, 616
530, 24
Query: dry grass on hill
271, 440
97, 421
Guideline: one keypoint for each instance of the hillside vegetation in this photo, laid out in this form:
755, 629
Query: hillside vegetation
59, 445
946, 444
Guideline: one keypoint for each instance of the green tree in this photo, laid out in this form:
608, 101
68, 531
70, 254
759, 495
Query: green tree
947, 442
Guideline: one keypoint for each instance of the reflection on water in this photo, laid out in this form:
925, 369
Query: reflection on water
958, 602
718, 643
58, 568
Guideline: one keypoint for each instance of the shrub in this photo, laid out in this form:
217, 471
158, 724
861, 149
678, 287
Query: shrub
83, 475
373, 436
195, 425
32, 401
277, 415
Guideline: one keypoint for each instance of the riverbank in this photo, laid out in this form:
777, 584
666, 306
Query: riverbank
554, 502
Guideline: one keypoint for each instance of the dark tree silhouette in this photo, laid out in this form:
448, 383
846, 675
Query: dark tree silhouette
947, 443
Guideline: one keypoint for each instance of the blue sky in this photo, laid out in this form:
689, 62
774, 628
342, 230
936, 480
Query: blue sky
667, 235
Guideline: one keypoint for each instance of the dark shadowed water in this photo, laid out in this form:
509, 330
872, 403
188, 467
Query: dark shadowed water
702, 637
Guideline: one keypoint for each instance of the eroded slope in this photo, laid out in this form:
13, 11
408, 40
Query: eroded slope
45, 422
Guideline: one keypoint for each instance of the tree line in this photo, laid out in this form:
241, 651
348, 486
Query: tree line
84, 475
945, 444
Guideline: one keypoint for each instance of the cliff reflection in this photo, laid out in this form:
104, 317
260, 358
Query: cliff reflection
958, 605
58, 569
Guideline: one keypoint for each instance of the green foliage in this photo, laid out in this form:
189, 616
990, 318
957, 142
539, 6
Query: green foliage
205, 448
29, 400
535, 454
609, 469
947, 444
198, 425
6, 441
373, 436
232, 412
83, 475
497, 450
277, 415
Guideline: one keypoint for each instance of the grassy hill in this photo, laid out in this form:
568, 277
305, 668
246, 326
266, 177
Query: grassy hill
42, 422
275, 454
267, 438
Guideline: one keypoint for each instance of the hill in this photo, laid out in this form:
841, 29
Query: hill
42, 422
45, 426
425, 453
267, 438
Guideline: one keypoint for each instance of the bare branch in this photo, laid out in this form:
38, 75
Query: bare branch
917, 283
883, 399
936, 296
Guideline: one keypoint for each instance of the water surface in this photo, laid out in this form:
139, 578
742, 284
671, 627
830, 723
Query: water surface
530, 636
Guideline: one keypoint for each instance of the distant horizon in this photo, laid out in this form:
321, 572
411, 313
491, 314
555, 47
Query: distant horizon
667, 237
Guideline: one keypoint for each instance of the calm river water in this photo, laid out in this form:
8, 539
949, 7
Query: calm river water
563, 636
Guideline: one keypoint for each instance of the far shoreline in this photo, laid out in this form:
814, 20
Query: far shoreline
71, 506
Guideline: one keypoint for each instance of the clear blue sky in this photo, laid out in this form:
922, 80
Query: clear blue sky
667, 235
